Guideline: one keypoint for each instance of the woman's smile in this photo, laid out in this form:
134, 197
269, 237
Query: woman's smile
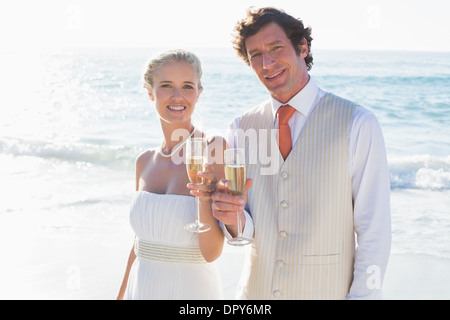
176, 108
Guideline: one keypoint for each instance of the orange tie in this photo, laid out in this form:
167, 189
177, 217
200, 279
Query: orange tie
284, 132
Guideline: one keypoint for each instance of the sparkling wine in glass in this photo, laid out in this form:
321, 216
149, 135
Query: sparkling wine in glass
236, 173
196, 157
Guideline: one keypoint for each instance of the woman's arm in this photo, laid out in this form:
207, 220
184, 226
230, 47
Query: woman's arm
211, 242
123, 287
132, 255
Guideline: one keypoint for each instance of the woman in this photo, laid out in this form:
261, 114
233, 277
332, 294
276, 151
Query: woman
167, 261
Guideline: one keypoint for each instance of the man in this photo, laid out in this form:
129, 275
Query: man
331, 177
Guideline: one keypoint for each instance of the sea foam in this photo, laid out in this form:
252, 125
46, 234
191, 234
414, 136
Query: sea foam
420, 172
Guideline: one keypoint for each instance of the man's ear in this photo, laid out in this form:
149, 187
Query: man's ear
303, 48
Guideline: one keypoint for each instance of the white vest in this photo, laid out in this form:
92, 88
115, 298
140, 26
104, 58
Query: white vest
303, 213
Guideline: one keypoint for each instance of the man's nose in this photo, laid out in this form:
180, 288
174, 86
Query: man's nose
268, 60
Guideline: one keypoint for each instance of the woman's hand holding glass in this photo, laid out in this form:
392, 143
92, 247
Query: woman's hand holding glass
204, 191
196, 157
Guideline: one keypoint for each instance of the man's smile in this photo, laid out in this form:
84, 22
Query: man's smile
274, 75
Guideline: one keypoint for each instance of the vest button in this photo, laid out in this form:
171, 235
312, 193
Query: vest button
284, 204
276, 293
280, 264
283, 234
284, 174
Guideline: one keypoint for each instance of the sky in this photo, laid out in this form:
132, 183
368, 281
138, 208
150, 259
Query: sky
344, 24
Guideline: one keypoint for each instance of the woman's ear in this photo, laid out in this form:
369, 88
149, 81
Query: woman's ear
200, 90
150, 94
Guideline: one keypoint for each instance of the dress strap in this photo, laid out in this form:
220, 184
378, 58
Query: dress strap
152, 251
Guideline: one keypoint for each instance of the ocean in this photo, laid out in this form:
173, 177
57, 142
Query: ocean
73, 121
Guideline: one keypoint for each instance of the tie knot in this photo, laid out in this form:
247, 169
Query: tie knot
284, 113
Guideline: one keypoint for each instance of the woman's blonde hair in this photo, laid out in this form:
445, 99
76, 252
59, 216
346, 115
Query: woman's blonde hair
175, 55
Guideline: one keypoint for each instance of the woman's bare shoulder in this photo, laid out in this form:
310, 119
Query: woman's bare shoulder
145, 158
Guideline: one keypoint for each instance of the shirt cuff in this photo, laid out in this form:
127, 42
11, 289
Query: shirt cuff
248, 228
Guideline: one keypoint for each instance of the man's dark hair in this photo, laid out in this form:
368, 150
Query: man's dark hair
259, 18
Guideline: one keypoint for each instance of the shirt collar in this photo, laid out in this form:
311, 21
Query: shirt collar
302, 101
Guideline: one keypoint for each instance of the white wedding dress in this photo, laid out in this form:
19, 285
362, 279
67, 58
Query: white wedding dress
168, 262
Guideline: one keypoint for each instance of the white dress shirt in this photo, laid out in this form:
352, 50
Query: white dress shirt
369, 171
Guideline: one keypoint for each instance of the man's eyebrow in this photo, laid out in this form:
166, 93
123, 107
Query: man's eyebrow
275, 42
252, 51
269, 44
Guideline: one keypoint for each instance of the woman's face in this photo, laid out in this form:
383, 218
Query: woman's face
175, 92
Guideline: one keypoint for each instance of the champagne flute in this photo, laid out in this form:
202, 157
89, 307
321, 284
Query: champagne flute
236, 173
196, 157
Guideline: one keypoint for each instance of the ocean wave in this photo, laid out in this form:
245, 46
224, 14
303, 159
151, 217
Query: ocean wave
115, 156
409, 172
420, 172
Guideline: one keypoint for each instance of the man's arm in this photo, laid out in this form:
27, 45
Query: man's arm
371, 198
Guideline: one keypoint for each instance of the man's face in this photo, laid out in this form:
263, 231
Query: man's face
275, 62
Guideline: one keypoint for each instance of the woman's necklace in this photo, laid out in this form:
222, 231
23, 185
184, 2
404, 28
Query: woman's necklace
177, 147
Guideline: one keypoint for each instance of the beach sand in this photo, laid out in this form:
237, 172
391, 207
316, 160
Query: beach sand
419, 277
44, 261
